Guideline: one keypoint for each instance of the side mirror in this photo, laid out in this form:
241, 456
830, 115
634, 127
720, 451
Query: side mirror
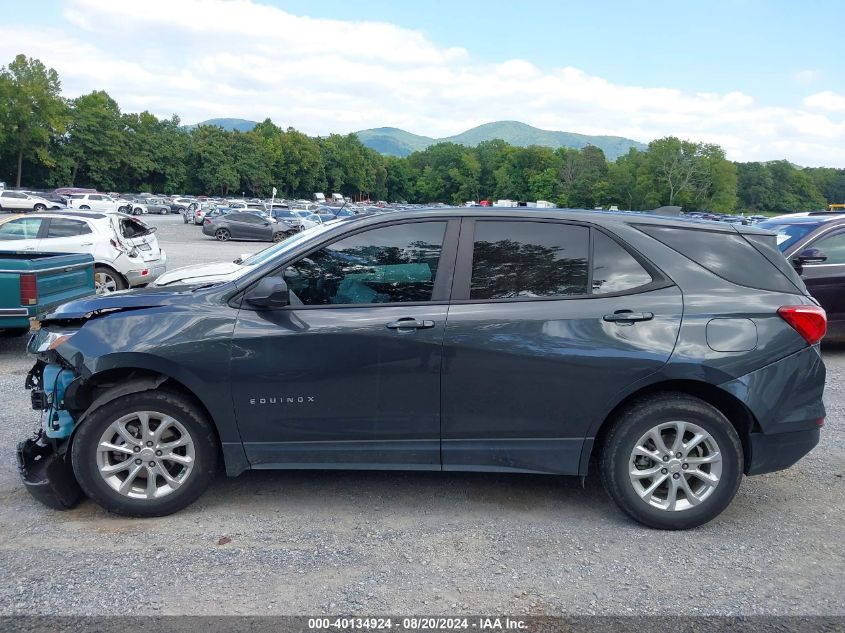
270, 292
810, 256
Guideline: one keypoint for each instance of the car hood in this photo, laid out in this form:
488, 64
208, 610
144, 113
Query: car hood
200, 274
136, 299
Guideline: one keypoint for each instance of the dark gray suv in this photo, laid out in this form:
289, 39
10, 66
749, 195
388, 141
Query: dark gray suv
675, 355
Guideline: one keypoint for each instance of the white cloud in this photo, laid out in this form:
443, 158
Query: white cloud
827, 100
239, 58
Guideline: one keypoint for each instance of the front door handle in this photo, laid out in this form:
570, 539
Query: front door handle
409, 323
626, 316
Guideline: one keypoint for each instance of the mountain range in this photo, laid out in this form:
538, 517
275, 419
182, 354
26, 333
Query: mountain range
395, 142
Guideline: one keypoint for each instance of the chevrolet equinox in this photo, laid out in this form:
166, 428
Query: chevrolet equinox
674, 355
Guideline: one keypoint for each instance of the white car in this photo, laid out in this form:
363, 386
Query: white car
16, 201
125, 250
196, 212
131, 207
93, 202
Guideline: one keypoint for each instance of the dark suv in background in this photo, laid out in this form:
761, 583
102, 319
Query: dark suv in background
676, 355
815, 245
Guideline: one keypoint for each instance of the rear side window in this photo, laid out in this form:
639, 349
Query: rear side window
727, 255
60, 227
529, 259
614, 268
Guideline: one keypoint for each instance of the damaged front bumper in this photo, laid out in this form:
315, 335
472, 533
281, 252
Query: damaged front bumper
43, 460
46, 472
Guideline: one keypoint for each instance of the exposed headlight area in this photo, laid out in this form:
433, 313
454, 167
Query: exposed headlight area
44, 340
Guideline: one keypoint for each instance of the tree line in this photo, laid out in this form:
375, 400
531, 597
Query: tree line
48, 141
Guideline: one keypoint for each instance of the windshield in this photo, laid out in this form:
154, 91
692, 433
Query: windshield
285, 245
788, 234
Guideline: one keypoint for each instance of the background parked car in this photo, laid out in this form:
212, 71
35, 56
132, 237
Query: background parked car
16, 201
125, 250
815, 246
196, 211
245, 226
157, 205
93, 202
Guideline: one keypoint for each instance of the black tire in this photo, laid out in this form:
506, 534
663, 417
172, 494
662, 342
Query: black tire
634, 422
119, 281
222, 235
84, 207
38, 208
170, 403
163, 211
278, 237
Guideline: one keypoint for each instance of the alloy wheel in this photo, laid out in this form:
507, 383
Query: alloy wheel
145, 455
104, 283
675, 466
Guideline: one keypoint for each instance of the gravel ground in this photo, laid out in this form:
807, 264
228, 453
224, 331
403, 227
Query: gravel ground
358, 542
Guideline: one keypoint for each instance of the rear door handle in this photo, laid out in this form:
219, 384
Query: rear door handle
626, 316
409, 323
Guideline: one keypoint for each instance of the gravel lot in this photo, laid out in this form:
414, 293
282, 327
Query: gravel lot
358, 542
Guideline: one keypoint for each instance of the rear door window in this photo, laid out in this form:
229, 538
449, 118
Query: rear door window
614, 268
61, 227
515, 259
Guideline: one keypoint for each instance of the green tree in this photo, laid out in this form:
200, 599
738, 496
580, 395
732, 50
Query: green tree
676, 167
214, 165
399, 179
300, 165
32, 111
95, 142
448, 173
157, 154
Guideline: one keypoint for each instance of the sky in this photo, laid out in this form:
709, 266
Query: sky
763, 79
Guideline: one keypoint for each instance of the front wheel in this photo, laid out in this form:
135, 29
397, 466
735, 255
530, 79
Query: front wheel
278, 237
84, 207
672, 461
107, 281
146, 454
222, 235
38, 207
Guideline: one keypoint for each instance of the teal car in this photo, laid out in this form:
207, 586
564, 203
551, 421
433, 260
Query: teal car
34, 283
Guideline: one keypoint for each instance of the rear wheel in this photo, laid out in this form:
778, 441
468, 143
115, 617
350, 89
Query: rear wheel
84, 207
146, 454
222, 235
672, 461
107, 281
163, 211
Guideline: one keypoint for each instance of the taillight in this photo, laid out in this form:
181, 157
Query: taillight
207, 221
809, 321
29, 289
